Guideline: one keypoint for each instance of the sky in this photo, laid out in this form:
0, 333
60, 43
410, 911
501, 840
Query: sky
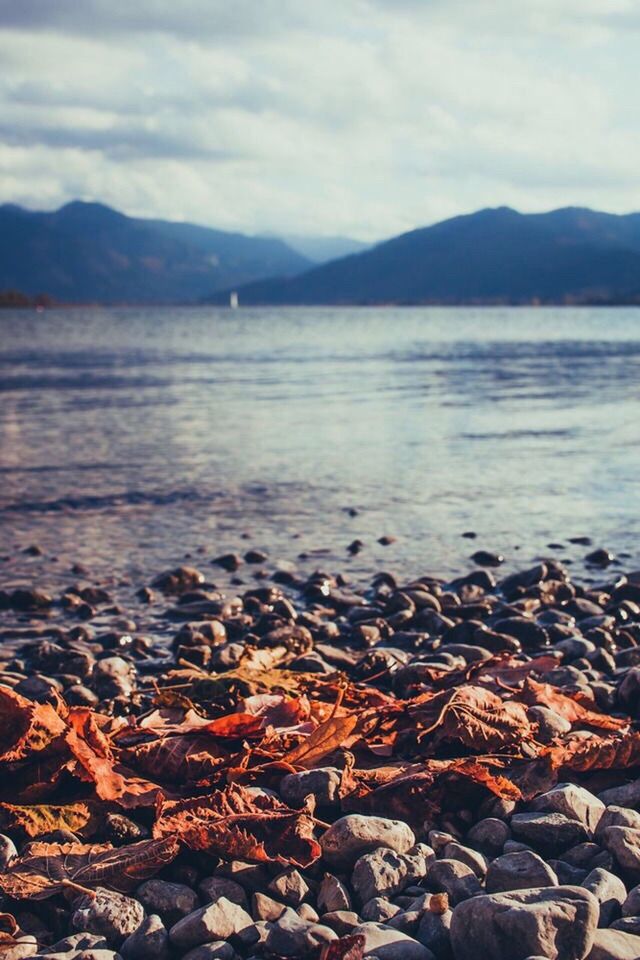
362, 118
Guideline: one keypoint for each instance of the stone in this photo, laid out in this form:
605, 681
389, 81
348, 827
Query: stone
323, 783
114, 677
379, 910
77, 941
306, 912
290, 887
7, 851
250, 876
631, 904
149, 942
212, 888
624, 844
290, 936
489, 835
614, 816
217, 950
356, 834
628, 795
265, 908
455, 879
387, 944
558, 923
97, 955
609, 891
171, 901
614, 945
434, 931
332, 895
110, 915
519, 871
574, 802
627, 925
476, 861
552, 832
216, 921
23, 947
385, 872
342, 921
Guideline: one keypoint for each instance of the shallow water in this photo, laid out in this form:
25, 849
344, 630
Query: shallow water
131, 437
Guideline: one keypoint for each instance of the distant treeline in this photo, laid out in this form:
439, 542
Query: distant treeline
15, 298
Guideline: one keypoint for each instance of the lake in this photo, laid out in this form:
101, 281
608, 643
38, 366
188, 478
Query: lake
130, 438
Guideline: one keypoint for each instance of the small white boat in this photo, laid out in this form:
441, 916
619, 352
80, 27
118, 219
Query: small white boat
233, 300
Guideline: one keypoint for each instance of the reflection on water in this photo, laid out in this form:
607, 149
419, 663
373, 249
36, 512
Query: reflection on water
129, 437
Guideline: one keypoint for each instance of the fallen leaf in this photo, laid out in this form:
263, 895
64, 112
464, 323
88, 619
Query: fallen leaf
326, 738
346, 948
26, 727
472, 716
38, 819
546, 695
93, 752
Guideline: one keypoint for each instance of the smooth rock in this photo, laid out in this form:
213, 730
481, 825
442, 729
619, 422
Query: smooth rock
455, 879
290, 936
110, 915
323, 783
332, 895
216, 921
385, 872
387, 944
489, 835
609, 891
212, 888
149, 942
558, 923
547, 831
218, 950
572, 801
171, 901
624, 844
290, 887
519, 871
614, 945
354, 835
476, 861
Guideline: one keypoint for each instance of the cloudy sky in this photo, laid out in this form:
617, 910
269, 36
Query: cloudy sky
356, 117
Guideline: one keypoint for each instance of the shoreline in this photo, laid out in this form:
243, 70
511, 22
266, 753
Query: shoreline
392, 760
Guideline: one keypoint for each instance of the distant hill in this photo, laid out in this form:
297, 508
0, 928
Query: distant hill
89, 252
492, 256
322, 249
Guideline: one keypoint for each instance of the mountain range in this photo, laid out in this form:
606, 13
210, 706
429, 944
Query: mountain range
572, 255
87, 252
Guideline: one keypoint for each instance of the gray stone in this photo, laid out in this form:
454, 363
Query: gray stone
558, 923
290, 887
216, 921
476, 861
548, 831
519, 871
387, 944
218, 950
609, 891
550, 723
171, 901
342, 921
574, 802
489, 836
149, 942
614, 945
25, 946
332, 895
110, 915
434, 931
617, 817
77, 941
265, 908
212, 888
289, 936
385, 872
323, 783
631, 904
624, 844
627, 925
354, 835
379, 910
250, 876
627, 795
455, 879
7, 850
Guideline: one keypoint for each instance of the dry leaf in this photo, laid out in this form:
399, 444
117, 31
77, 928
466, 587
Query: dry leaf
326, 738
38, 819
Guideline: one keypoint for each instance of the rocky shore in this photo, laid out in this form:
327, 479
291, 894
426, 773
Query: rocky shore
279, 766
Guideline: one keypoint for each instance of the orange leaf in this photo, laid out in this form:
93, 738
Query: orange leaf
326, 738
43, 818
92, 750
545, 695
25, 727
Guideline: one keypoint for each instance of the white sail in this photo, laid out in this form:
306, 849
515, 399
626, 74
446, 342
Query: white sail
233, 300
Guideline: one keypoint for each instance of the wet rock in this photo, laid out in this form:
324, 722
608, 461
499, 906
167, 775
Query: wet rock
609, 891
384, 872
216, 921
114, 677
354, 835
178, 580
172, 901
599, 558
485, 558
110, 915
228, 561
323, 783
30, 599
149, 942
558, 923
519, 871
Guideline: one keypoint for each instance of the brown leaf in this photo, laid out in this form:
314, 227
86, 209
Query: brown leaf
26, 727
43, 818
46, 869
473, 716
177, 759
346, 948
581, 754
235, 824
326, 738
546, 695
92, 750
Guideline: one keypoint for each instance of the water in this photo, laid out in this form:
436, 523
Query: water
129, 438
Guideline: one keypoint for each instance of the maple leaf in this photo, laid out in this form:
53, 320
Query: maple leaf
236, 825
92, 751
43, 818
26, 727
46, 869
326, 738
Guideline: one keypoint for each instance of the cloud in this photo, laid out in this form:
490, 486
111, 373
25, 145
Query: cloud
365, 117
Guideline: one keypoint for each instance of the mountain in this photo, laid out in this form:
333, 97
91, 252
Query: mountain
322, 249
491, 256
89, 252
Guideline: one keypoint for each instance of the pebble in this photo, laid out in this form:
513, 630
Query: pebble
385, 872
354, 835
333, 895
149, 942
216, 921
323, 783
519, 871
290, 936
110, 915
609, 891
171, 901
